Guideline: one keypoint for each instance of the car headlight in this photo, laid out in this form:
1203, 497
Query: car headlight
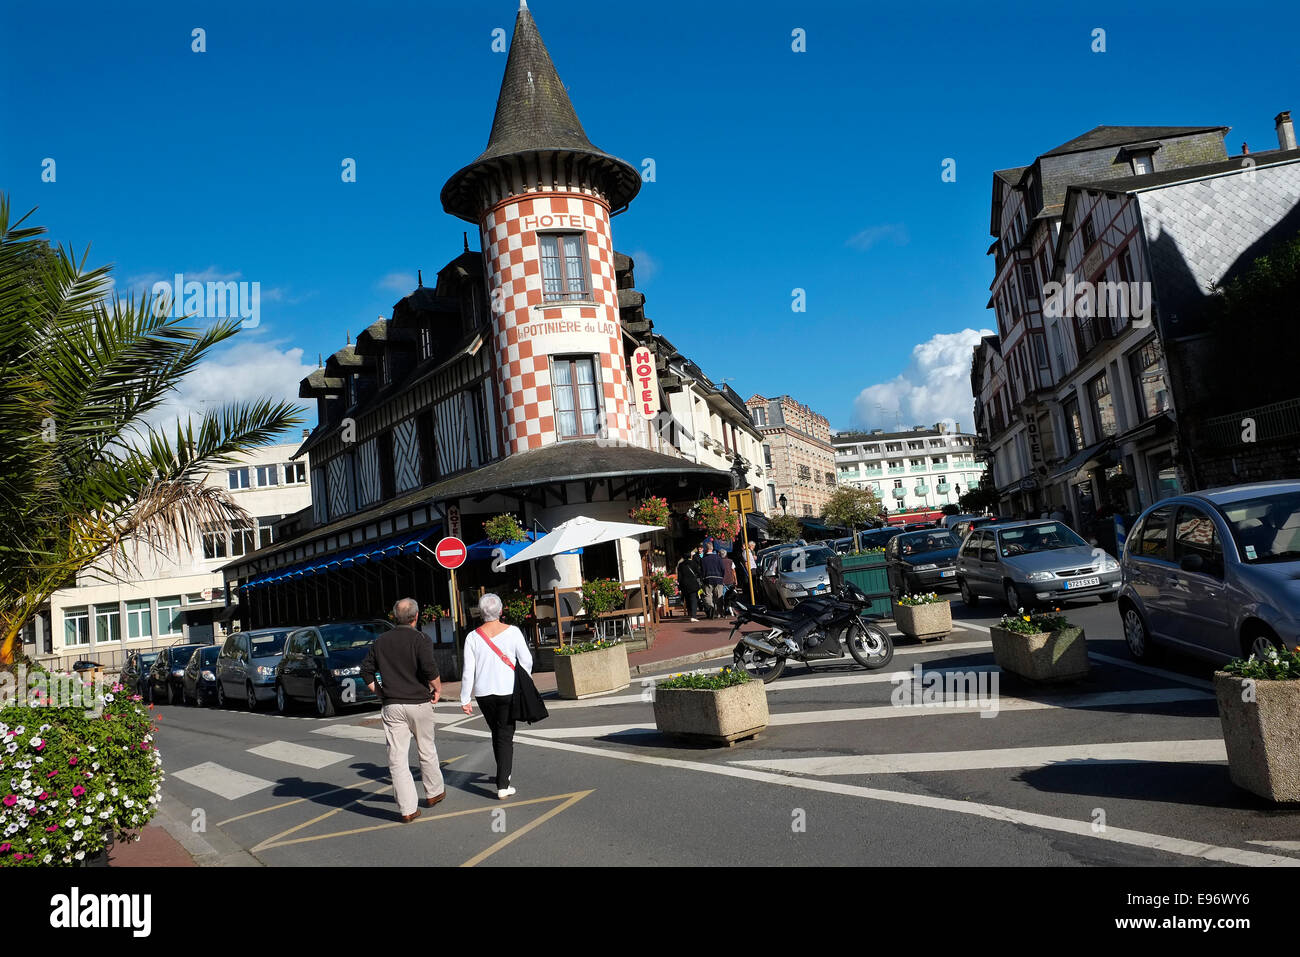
265, 671
1040, 576
924, 568
345, 672
792, 586
1108, 565
208, 675
178, 672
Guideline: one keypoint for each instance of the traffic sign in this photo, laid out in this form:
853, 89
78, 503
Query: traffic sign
450, 552
741, 500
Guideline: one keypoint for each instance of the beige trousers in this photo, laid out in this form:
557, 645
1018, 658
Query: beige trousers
401, 723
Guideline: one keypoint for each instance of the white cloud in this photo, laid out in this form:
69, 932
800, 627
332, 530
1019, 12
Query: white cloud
897, 232
645, 266
402, 282
241, 372
935, 387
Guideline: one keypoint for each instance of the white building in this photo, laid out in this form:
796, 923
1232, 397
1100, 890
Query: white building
170, 597
920, 468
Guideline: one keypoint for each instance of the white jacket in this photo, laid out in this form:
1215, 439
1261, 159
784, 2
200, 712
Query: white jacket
484, 671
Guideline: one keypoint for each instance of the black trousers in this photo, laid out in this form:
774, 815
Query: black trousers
496, 712
691, 598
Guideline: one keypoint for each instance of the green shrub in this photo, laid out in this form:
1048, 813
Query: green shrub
599, 644
706, 681
930, 599
503, 528
1274, 666
1023, 624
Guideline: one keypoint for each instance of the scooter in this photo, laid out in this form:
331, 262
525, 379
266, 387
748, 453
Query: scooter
816, 629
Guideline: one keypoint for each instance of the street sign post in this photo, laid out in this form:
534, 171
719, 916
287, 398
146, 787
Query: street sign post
451, 553
741, 500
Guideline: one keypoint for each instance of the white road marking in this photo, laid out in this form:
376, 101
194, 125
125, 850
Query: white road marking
225, 782
1107, 699
1130, 752
299, 754
1157, 672
1081, 828
1280, 845
354, 732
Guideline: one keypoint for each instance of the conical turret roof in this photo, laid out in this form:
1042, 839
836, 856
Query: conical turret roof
534, 115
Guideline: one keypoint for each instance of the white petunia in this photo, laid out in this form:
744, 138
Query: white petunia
78, 835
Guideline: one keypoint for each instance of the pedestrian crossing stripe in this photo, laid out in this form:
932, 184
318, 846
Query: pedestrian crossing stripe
222, 781
299, 754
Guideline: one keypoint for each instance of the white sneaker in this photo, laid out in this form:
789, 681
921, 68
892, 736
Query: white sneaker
503, 794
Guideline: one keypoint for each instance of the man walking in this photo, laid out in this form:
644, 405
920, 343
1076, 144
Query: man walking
728, 581
403, 658
713, 575
688, 583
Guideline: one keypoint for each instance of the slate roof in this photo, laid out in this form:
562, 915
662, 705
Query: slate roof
1010, 176
1100, 137
1233, 164
534, 114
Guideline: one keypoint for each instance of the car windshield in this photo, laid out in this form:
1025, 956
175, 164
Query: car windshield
181, 656
1266, 529
1036, 538
338, 637
268, 645
209, 655
929, 542
799, 559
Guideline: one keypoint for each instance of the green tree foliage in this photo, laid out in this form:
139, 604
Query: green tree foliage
851, 507
783, 528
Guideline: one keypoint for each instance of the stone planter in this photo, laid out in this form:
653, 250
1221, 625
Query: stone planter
1262, 736
721, 717
592, 672
1060, 655
924, 621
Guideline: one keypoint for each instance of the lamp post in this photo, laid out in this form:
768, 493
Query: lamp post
782, 501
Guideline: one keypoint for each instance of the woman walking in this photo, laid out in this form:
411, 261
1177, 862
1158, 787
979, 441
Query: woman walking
492, 652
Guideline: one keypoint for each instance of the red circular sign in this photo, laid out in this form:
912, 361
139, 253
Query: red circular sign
450, 552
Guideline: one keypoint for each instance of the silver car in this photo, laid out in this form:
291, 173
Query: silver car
246, 666
790, 575
1033, 563
1215, 573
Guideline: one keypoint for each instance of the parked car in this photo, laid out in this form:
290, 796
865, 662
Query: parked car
135, 673
962, 528
1034, 562
168, 673
80, 667
322, 664
878, 537
793, 573
921, 561
246, 666
199, 684
1215, 573
950, 520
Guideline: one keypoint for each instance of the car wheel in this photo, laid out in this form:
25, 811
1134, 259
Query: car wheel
1136, 635
324, 703
1012, 596
251, 699
222, 702
968, 597
1259, 641
281, 699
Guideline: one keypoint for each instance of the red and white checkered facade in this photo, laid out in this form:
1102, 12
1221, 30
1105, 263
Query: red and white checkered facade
525, 325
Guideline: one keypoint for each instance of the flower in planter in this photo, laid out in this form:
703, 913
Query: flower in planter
1276, 665
1023, 624
913, 600
503, 528
706, 680
652, 511
430, 614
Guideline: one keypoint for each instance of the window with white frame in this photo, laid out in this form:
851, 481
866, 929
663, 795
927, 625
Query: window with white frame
76, 626
169, 616
577, 407
108, 624
564, 266
238, 478
268, 475
139, 620
214, 543
295, 473
241, 540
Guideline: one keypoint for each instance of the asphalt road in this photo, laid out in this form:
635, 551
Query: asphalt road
1123, 768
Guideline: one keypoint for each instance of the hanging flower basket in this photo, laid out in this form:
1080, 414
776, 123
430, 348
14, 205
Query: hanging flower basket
717, 519
652, 511
503, 528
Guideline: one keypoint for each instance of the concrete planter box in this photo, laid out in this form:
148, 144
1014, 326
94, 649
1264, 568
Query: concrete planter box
721, 717
1262, 736
924, 621
592, 672
1056, 656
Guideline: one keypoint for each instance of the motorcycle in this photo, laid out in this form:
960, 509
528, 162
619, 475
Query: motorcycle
816, 629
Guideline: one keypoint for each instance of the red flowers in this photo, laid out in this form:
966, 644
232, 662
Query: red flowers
78, 791
72, 761
11, 800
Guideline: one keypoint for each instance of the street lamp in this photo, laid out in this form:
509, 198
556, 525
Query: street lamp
782, 501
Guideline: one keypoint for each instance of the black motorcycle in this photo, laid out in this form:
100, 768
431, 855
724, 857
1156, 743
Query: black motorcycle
816, 629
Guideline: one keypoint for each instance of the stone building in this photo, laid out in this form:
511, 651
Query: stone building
797, 455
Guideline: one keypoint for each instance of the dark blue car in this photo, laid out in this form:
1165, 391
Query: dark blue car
922, 561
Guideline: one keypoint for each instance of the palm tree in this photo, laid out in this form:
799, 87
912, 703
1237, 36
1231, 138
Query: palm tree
84, 479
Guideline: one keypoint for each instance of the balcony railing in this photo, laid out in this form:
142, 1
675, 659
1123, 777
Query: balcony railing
921, 490
920, 468
1277, 421
873, 473
896, 470
1095, 330
942, 488
900, 493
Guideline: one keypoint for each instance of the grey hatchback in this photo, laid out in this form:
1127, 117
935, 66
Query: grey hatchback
1033, 563
246, 666
1215, 573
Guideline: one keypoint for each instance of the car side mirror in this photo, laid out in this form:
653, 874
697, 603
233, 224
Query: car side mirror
1192, 563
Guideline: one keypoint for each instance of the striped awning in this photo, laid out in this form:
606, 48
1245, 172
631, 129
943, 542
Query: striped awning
405, 544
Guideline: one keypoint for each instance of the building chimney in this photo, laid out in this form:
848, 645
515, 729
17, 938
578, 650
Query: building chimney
1285, 131
1245, 150
306, 433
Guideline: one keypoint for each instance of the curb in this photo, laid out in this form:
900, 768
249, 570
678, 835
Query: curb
680, 660
209, 849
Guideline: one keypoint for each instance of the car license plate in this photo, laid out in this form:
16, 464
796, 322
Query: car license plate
948, 574
820, 588
1083, 583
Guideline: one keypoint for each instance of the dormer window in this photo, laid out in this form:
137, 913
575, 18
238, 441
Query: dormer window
352, 391
385, 369
426, 341
1143, 163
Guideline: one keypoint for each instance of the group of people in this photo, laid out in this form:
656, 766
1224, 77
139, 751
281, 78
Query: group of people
708, 576
400, 667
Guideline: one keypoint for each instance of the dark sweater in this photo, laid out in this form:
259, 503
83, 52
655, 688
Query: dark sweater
713, 570
404, 657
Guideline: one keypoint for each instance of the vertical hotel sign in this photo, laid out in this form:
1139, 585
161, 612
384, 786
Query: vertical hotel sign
647, 382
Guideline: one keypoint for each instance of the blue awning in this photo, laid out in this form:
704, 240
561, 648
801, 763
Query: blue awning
405, 544
483, 551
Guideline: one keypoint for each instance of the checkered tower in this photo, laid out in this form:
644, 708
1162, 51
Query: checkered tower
541, 183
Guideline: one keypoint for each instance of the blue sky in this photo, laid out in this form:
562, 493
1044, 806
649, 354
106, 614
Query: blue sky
775, 170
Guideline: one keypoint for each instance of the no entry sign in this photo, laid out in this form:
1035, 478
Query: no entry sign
450, 552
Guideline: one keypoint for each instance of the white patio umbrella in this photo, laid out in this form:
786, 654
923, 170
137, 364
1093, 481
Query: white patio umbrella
578, 533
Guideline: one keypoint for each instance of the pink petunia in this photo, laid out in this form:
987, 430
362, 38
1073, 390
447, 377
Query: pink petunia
43, 795
51, 829
78, 791
11, 800
51, 774
72, 761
